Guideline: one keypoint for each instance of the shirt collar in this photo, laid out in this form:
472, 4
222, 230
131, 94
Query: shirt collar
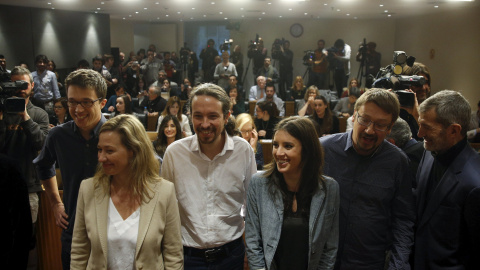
349, 145
447, 157
96, 130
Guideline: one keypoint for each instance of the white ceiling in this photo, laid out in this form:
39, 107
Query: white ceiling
237, 10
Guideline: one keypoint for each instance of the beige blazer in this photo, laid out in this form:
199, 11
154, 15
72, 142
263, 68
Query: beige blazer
159, 243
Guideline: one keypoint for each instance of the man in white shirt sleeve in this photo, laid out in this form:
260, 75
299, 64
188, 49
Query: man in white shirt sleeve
211, 171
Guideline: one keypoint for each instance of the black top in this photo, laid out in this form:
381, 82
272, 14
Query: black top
318, 123
297, 94
292, 250
268, 126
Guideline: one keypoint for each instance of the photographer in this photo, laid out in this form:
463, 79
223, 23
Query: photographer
208, 60
257, 52
318, 66
150, 67
281, 51
189, 62
339, 58
23, 134
237, 59
372, 58
422, 92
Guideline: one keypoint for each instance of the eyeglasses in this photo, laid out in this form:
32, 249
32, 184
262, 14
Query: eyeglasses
58, 107
376, 126
84, 103
246, 131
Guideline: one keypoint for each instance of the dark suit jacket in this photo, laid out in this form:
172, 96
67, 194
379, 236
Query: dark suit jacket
448, 228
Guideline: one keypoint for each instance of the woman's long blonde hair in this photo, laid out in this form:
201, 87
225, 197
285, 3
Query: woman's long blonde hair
144, 166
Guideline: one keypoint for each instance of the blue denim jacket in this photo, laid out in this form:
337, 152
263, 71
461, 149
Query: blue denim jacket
264, 224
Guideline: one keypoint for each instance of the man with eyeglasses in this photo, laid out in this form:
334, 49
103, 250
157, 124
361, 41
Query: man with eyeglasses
376, 206
73, 146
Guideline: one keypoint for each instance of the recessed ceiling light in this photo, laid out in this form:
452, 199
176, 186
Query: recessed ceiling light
156, 3
355, 18
178, 12
129, 15
204, 16
191, 18
136, 12
305, 13
124, 18
158, 18
269, 3
386, 11
53, 8
166, 15
290, 9
348, 14
243, 16
241, 8
325, 4
226, 18
260, 19
102, 3
263, 13
220, 12
145, 8
338, 9
435, 6
95, 11
193, 8
49, 3
213, 3
280, 16
381, 5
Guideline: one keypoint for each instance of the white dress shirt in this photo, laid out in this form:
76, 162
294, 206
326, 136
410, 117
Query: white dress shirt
210, 193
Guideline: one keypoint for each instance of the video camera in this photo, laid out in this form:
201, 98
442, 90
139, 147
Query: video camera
390, 77
331, 54
276, 50
8, 103
226, 45
309, 55
253, 43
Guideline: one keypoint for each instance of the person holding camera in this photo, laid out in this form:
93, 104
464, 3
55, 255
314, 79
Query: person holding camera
150, 67
224, 70
258, 53
23, 134
284, 55
208, 60
372, 58
339, 58
237, 59
318, 66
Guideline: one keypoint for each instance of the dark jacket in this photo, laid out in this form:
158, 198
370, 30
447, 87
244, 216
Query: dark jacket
22, 141
156, 105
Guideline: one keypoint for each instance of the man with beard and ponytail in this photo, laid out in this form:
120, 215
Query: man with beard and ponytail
376, 203
211, 171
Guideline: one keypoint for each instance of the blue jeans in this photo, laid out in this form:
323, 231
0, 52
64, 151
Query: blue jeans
233, 261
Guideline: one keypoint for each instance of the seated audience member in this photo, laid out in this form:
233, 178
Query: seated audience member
345, 106
172, 91
401, 136
245, 125
233, 83
271, 96
298, 89
353, 85
267, 118
293, 208
324, 120
305, 106
269, 71
174, 107
62, 115
123, 106
224, 70
112, 100
83, 64
186, 89
258, 91
140, 90
168, 132
155, 103
236, 102
349, 124
126, 188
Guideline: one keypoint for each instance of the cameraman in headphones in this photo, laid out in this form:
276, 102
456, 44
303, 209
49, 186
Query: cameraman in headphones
285, 57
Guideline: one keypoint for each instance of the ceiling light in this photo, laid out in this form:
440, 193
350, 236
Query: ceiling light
241, 8
95, 11
381, 5
243, 16
220, 12
191, 18
98, 8
435, 6
325, 4
386, 11
290, 9
145, 8
49, 3
338, 9
280, 16
124, 18
263, 13
178, 12
129, 15
166, 15
213, 3
226, 18
348, 14
305, 13
156, 3
136, 12
102, 3
389, 15
269, 3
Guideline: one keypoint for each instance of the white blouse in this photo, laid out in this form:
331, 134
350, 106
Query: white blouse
121, 239
185, 125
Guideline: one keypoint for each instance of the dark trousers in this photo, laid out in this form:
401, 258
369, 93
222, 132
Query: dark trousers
66, 250
285, 82
317, 79
340, 79
233, 260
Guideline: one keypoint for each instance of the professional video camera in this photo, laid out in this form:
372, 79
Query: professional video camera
362, 48
184, 53
390, 77
331, 54
226, 45
309, 55
8, 103
253, 43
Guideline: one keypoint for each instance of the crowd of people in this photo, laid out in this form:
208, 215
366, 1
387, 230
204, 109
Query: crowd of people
399, 189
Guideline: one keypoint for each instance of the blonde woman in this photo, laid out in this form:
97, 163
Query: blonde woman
245, 125
127, 216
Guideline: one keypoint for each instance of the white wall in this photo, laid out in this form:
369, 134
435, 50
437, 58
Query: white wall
452, 35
